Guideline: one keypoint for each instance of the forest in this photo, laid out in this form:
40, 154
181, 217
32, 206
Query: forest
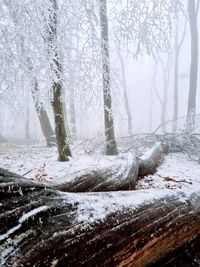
99, 133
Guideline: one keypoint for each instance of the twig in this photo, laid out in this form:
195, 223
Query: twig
27, 172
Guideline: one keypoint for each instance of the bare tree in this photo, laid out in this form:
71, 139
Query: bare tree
166, 79
41, 111
178, 44
193, 9
124, 86
28, 65
61, 135
111, 147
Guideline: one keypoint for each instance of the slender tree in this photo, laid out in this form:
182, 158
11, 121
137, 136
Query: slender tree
71, 94
61, 135
39, 105
124, 87
166, 79
41, 111
177, 45
193, 15
111, 147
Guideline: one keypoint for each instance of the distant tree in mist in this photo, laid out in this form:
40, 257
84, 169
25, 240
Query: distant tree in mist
124, 87
166, 69
145, 28
177, 49
193, 8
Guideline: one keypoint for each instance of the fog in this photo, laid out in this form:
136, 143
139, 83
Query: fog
22, 31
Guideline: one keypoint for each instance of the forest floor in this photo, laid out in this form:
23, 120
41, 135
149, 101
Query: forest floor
176, 175
40, 163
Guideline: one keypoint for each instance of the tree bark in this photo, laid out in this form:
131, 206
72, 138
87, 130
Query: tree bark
117, 177
42, 116
121, 175
111, 147
148, 163
40, 227
192, 11
60, 130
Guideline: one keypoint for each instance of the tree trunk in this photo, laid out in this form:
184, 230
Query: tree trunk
193, 65
61, 136
148, 163
111, 147
71, 94
166, 78
122, 174
60, 131
151, 111
39, 106
176, 67
128, 112
42, 116
178, 45
42, 227
27, 130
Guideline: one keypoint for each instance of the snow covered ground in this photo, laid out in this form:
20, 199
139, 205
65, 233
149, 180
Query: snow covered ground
176, 176
40, 163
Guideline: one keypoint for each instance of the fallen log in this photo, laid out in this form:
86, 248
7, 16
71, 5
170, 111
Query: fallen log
43, 227
150, 160
122, 174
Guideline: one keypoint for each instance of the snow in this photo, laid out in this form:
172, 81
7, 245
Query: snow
22, 219
176, 176
32, 213
9, 232
96, 206
40, 163
176, 172
151, 151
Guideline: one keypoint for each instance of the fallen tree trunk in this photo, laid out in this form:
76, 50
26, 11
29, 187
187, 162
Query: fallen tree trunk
121, 175
149, 161
44, 227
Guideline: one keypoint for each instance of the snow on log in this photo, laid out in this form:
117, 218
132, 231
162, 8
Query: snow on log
150, 160
121, 174
44, 227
